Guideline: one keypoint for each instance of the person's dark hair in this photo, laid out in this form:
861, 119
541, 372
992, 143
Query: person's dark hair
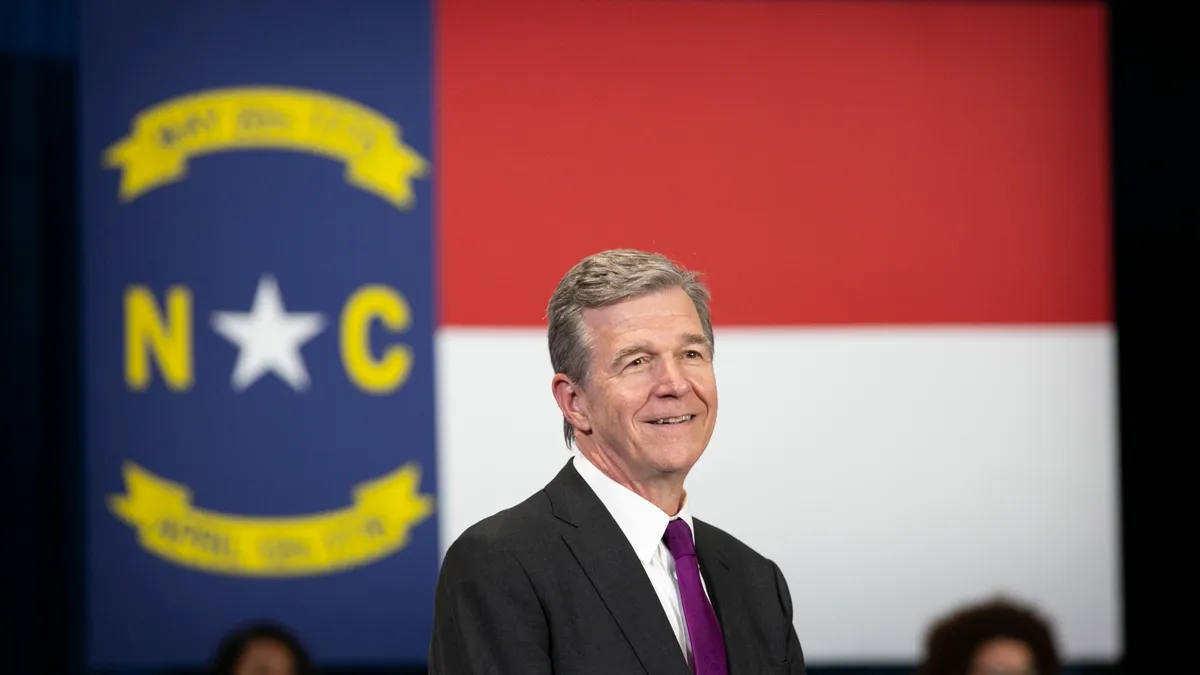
235, 642
952, 641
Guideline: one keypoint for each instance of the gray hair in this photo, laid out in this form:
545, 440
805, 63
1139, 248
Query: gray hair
603, 279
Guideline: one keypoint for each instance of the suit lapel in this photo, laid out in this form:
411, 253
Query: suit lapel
728, 602
609, 562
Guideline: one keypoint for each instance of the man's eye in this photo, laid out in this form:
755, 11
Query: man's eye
638, 361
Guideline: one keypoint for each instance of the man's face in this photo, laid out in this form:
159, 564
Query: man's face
651, 396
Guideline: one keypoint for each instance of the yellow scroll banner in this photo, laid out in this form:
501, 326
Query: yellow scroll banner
376, 525
165, 136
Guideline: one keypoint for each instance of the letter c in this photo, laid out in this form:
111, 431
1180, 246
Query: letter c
386, 374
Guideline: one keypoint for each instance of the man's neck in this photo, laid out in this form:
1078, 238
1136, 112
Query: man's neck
665, 492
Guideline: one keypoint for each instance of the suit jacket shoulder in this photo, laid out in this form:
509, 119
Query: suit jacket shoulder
487, 612
513, 529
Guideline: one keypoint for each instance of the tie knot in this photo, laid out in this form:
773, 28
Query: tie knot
679, 538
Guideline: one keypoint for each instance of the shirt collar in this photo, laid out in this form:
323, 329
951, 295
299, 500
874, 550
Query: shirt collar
642, 522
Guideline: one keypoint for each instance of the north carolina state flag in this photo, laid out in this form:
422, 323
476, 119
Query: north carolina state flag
318, 240
902, 210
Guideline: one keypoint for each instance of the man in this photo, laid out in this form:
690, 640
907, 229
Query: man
605, 570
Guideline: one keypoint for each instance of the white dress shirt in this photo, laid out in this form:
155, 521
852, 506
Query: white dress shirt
644, 524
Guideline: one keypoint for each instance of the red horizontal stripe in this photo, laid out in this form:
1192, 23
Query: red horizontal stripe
823, 163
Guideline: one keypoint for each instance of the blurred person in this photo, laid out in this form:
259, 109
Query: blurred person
605, 570
261, 648
998, 637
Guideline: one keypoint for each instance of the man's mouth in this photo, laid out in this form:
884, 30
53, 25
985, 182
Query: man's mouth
673, 420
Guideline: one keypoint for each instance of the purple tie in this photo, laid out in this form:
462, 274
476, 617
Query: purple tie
704, 633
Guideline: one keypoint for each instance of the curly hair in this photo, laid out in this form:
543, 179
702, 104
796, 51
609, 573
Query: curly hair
234, 645
952, 641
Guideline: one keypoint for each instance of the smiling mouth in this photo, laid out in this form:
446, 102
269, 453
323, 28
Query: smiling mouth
673, 420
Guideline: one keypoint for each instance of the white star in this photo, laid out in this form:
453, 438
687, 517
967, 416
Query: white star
268, 338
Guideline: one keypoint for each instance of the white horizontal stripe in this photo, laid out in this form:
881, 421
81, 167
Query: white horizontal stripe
892, 473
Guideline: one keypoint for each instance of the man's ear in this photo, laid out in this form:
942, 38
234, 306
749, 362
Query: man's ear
572, 401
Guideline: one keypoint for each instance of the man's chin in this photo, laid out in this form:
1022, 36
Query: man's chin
677, 460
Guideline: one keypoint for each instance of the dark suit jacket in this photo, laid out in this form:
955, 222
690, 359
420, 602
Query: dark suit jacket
553, 586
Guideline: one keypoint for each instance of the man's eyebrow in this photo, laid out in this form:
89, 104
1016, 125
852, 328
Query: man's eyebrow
626, 352
688, 339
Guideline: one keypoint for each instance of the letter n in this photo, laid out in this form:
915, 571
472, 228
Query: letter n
169, 341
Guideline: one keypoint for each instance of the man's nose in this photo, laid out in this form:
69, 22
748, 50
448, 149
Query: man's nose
671, 379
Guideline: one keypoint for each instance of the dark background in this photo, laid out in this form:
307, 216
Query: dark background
1157, 244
